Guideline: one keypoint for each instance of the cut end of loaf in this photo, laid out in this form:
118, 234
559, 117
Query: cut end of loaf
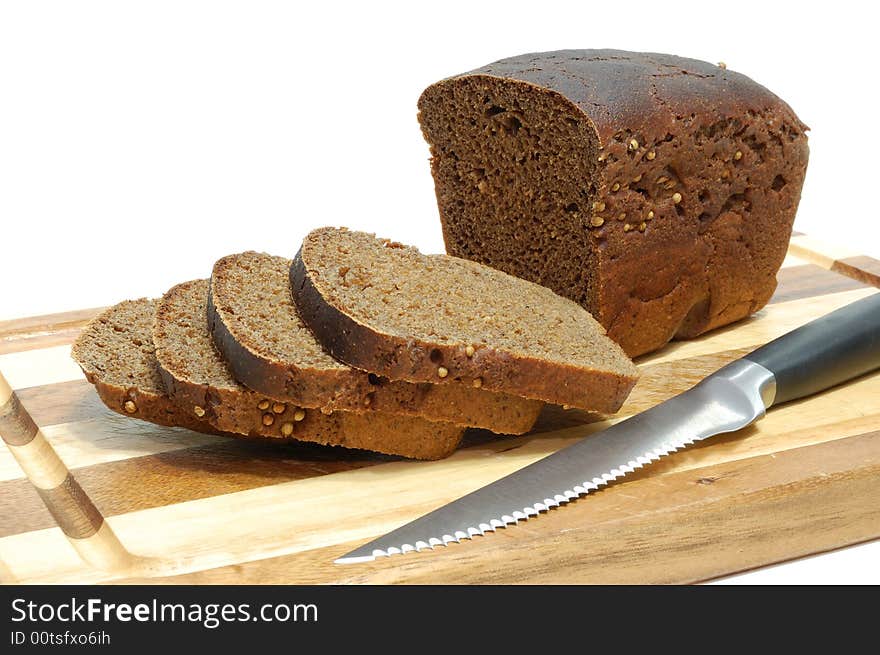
515, 182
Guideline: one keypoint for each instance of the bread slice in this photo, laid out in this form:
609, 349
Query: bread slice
115, 351
197, 377
270, 350
387, 308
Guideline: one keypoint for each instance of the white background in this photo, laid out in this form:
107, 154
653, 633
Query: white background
139, 141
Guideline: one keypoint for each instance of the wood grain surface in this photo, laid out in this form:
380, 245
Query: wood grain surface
197, 508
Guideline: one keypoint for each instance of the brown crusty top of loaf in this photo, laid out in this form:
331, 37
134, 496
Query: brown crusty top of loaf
197, 377
648, 92
389, 309
269, 349
115, 351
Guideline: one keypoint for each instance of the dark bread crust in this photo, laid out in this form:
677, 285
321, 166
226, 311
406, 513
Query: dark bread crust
153, 408
734, 151
237, 414
407, 358
351, 390
232, 408
641, 92
284, 380
375, 432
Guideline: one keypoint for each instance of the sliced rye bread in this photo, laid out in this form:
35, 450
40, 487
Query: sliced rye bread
198, 378
269, 349
386, 308
115, 351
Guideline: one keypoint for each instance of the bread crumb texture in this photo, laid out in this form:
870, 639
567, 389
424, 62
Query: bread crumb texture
117, 348
397, 290
116, 353
260, 312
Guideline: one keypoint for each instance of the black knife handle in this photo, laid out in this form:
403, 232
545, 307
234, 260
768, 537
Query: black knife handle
823, 353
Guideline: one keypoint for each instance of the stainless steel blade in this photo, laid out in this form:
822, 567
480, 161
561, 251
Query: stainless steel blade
726, 401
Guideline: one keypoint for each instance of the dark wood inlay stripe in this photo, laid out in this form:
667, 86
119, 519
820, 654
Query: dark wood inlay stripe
72, 509
17, 428
808, 281
862, 268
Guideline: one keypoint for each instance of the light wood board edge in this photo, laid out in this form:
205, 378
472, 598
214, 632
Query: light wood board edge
838, 259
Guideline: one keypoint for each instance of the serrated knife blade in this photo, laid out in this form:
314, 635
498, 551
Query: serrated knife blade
821, 354
728, 400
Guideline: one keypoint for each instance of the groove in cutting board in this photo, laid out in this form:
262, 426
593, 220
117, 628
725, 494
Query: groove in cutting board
837, 259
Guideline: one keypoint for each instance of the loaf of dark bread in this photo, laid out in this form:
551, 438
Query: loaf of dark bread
269, 349
386, 308
115, 351
197, 378
656, 191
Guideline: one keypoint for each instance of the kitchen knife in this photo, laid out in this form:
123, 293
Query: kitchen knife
828, 351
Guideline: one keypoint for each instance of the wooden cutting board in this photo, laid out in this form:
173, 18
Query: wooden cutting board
202, 509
